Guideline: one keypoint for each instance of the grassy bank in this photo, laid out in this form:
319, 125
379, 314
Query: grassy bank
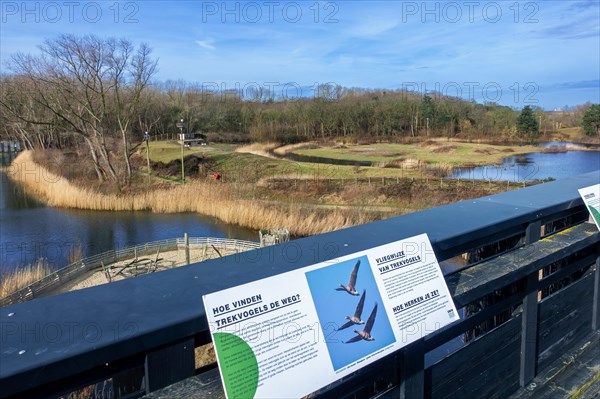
433, 152
259, 172
253, 162
208, 198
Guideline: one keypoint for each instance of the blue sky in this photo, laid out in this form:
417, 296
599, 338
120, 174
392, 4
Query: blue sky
544, 53
332, 306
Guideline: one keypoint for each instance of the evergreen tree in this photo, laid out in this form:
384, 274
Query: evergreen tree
591, 120
428, 107
526, 122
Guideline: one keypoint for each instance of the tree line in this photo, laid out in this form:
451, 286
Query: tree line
100, 93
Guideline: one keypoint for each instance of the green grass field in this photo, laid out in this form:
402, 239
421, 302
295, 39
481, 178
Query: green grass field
433, 152
165, 151
230, 162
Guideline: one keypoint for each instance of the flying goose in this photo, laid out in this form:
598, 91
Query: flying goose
356, 318
366, 332
350, 288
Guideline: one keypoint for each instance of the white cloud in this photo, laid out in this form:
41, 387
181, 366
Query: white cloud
206, 44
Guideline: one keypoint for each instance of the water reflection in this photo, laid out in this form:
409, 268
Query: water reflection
535, 166
29, 230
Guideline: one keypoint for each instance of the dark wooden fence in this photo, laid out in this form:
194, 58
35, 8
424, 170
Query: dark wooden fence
533, 293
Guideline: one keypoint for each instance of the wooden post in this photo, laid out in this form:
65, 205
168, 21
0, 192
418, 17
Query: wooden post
169, 365
412, 371
128, 382
186, 239
529, 330
596, 304
533, 232
529, 323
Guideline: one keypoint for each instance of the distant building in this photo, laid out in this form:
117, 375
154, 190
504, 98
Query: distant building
191, 139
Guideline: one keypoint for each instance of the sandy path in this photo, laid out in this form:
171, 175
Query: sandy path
167, 260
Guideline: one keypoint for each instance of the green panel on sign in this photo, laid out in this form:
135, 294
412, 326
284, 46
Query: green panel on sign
238, 366
595, 214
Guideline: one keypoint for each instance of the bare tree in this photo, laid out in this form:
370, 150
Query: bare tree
92, 87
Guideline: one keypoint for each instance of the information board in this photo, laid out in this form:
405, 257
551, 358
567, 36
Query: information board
591, 197
294, 333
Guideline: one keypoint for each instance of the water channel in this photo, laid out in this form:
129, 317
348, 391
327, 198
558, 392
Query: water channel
30, 230
536, 166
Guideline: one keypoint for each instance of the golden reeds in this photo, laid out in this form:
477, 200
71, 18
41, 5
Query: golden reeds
261, 149
214, 199
13, 280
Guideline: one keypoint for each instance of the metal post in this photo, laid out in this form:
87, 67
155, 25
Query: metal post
180, 125
147, 138
182, 166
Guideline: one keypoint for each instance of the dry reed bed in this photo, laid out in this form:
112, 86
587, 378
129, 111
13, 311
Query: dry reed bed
260, 149
211, 199
14, 280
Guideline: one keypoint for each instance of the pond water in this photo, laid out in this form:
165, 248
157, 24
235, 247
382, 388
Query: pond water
535, 166
29, 230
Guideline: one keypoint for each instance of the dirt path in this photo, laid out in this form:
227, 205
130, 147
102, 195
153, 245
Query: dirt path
166, 260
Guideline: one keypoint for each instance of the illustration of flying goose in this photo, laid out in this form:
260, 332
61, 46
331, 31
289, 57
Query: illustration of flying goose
351, 287
366, 332
357, 313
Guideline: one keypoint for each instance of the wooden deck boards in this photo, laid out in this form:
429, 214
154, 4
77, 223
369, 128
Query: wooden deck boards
576, 374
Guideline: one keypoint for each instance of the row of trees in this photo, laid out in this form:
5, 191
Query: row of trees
98, 93
333, 112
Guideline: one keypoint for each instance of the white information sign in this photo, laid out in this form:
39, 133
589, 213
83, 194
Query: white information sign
294, 333
591, 198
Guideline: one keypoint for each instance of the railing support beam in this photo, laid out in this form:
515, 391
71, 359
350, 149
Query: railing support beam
533, 232
530, 315
529, 330
596, 304
412, 371
169, 365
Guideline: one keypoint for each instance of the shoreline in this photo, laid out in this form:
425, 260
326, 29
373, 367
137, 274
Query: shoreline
215, 200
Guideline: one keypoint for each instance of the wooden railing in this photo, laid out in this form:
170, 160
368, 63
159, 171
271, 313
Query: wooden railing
533, 293
53, 281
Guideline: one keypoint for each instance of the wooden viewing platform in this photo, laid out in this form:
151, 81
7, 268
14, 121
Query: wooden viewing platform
530, 311
576, 374
119, 264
